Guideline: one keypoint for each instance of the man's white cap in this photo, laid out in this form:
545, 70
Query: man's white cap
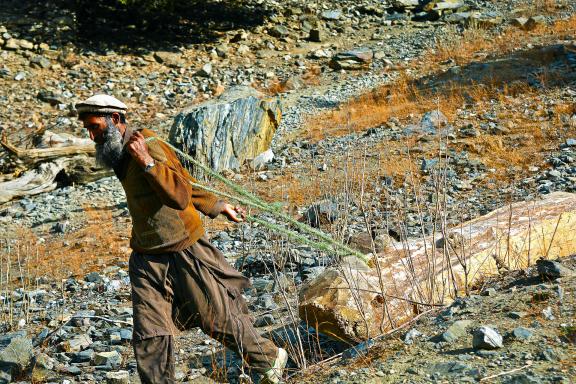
101, 104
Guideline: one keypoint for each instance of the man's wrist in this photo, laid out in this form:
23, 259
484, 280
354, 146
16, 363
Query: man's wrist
149, 165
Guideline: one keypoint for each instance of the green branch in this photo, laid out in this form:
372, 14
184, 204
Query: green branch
247, 198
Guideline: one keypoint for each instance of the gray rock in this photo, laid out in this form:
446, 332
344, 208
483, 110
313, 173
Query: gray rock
223, 133
111, 358
405, 4
77, 343
333, 14
359, 58
205, 71
521, 334
548, 314
40, 62
358, 350
279, 31
551, 355
486, 338
118, 377
552, 269
522, 378
316, 35
324, 212
534, 21
262, 284
82, 356
260, 161
517, 315
93, 277
169, 59
412, 335
458, 329
20, 76
449, 368
15, 354
262, 321
266, 301
433, 120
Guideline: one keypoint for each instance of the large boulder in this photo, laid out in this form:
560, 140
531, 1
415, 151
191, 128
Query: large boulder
225, 132
15, 355
353, 302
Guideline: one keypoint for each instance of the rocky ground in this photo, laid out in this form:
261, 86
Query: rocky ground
68, 293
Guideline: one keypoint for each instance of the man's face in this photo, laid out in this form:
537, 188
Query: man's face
106, 134
96, 126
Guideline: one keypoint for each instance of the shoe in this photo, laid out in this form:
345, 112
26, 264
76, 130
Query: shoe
274, 374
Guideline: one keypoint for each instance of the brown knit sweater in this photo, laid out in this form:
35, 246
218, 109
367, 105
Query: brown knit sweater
163, 205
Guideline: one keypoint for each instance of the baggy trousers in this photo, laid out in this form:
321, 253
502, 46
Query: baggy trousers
195, 287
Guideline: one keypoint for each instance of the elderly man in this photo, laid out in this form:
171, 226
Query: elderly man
179, 280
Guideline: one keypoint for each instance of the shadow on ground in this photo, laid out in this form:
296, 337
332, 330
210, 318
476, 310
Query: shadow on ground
103, 25
541, 67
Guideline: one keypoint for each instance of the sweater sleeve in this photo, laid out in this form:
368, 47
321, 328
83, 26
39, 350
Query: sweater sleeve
172, 183
172, 188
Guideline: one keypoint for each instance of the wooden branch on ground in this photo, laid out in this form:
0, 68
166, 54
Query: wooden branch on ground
36, 155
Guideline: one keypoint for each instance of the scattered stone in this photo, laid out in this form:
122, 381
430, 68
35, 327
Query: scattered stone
412, 335
548, 314
94, 277
458, 329
334, 14
170, 59
77, 343
40, 62
359, 58
553, 269
15, 355
358, 350
517, 315
534, 22
262, 321
486, 338
112, 358
449, 368
260, 161
316, 35
521, 334
205, 71
118, 377
324, 212
279, 31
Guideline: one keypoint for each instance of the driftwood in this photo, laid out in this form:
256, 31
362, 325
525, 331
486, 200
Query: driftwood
57, 146
355, 302
45, 177
61, 158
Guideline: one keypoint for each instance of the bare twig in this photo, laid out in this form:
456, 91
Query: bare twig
505, 373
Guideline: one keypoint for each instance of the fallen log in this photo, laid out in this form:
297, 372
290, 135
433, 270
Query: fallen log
55, 146
353, 302
44, 178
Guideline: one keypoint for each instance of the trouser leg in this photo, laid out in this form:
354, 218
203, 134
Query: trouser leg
153, 326
155, 359
203, 299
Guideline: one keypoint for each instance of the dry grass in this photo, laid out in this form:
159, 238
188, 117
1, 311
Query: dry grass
404, 97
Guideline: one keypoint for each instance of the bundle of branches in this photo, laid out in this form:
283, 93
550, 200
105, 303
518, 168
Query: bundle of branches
304, 233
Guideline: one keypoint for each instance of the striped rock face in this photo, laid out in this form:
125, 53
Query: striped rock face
225, 132
354, 302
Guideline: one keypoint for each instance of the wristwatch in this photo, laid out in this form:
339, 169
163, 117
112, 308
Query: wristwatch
149, 166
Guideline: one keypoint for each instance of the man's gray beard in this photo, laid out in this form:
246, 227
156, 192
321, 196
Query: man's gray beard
109, 153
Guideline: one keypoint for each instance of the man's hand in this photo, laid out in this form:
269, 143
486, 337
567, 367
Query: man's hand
136, 147
236, 214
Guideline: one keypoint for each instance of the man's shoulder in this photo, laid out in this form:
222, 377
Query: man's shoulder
148, 132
